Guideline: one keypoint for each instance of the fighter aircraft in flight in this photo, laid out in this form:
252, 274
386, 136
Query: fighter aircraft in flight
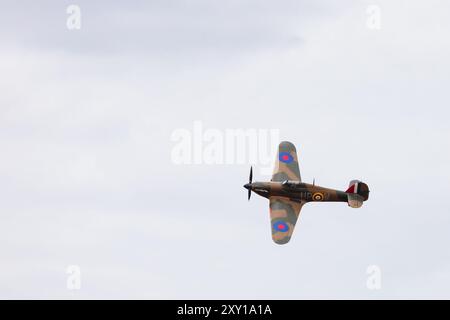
287, 193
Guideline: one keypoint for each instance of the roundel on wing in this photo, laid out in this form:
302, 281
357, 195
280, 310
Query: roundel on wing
281, 226
285, 157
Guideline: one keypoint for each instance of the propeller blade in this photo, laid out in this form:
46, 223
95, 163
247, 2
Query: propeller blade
248, 185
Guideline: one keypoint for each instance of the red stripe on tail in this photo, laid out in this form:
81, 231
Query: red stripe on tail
352, 188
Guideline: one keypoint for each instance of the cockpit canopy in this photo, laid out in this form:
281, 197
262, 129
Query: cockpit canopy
290, 183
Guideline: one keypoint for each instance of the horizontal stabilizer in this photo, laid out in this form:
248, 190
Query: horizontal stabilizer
355, 200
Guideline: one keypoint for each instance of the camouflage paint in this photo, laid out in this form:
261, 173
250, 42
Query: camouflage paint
287, 194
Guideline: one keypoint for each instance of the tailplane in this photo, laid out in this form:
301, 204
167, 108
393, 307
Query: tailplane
357, 193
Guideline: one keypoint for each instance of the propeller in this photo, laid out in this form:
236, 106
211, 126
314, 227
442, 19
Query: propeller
250, 178
248, 185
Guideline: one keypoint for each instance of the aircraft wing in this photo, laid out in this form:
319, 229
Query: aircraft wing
286, 163
283, 217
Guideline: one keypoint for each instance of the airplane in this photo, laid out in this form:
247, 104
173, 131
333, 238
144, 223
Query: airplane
287, 193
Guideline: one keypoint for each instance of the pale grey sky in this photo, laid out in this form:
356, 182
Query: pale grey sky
86, 176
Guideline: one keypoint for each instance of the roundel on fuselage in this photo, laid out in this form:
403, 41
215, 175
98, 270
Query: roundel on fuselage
318, 196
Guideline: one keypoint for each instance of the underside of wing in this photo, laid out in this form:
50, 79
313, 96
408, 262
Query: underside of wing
286, 163
283, 217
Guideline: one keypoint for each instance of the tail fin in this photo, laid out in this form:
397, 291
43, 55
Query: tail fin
360, 188
353, 186
358, 192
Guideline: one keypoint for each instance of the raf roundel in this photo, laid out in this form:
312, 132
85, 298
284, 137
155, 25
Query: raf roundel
318, 196
285, 157
281, 226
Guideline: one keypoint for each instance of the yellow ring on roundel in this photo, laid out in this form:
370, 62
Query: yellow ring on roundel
318, 196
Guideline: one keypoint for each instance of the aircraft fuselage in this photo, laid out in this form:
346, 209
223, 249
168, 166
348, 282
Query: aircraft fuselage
297, 191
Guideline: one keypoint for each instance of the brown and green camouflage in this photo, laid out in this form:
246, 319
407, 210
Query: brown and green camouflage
287, 193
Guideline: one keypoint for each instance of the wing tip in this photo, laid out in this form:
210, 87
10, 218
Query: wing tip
282, 241
287, 143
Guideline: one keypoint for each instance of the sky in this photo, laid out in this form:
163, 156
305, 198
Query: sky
88, 179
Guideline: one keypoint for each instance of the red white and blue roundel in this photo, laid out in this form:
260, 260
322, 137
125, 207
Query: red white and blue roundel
285, 157
281, 226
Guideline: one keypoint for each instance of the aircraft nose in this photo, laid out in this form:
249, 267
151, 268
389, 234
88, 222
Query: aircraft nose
247, 186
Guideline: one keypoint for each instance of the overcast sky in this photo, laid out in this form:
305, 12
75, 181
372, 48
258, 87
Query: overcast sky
87, 178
